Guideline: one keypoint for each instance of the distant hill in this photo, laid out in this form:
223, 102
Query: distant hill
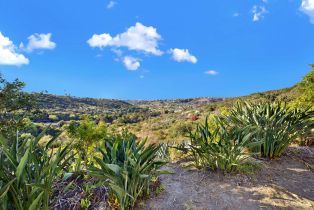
55, 103
49, 101
171, 104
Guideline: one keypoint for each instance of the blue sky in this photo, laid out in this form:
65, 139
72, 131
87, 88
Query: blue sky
139, 49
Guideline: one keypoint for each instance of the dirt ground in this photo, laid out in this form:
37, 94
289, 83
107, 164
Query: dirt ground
285, 183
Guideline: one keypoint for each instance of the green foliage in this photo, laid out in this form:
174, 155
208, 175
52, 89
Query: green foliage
15, 106
85, 203
87, 135
306, 90
28, 171
128, 166
220, 149
272, 123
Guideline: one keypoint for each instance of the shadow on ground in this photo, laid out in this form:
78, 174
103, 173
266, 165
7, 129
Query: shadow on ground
285, 183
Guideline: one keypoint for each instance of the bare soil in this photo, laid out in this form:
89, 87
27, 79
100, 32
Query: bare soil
284, 183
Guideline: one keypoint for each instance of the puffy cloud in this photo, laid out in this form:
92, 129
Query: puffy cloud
181, 55
307, 7
211, 72
40, 41
138, 37
111, 4
100, 40
258, 12
131, 63
8, 54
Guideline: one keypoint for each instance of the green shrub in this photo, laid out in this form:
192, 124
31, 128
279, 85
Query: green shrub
128, 166
87, 135
305, 89
272, 123
221, 149
28, 171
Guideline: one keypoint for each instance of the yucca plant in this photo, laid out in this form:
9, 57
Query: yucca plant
27, 171
128, 166
221, 149
272, 123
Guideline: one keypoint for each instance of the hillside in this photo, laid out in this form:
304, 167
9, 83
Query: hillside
159, 120
49, 101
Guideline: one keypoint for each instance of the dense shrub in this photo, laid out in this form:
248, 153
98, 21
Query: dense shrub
86, 135
128, 166
306, 91
272, 123
220, 149
28, 171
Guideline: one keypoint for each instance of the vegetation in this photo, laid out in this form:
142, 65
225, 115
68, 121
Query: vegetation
306, 91
273, 124
28, 172
221, 149
128, 166
48, 140
87, 135
15, 107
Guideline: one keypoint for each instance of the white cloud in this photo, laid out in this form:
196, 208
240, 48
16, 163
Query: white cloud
211, 72
307, 7
236, 14
40, 41
8, 54
181, 55
111, 4
138, 37
258, 12
131, 63
100, 40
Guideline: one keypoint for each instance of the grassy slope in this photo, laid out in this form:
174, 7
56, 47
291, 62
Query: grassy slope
159, 120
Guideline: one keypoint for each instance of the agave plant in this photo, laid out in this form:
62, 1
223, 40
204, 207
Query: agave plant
221, 149
272, 123
128, 166
27, 172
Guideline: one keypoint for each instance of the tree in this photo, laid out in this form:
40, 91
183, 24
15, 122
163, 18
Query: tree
15, 106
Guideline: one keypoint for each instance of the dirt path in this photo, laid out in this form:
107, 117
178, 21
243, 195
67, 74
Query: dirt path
285, 183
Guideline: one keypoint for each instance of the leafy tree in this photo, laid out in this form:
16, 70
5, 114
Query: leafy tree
15, 106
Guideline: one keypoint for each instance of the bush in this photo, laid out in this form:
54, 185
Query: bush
221, 149
128, 166
87, 135
272, 123
27, 173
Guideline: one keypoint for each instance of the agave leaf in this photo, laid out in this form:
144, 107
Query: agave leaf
4, 190
35, 203
113, 167
22, 164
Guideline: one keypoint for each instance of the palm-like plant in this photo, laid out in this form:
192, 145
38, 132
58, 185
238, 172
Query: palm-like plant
221, 149
27, 172
128, 166
272, 123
